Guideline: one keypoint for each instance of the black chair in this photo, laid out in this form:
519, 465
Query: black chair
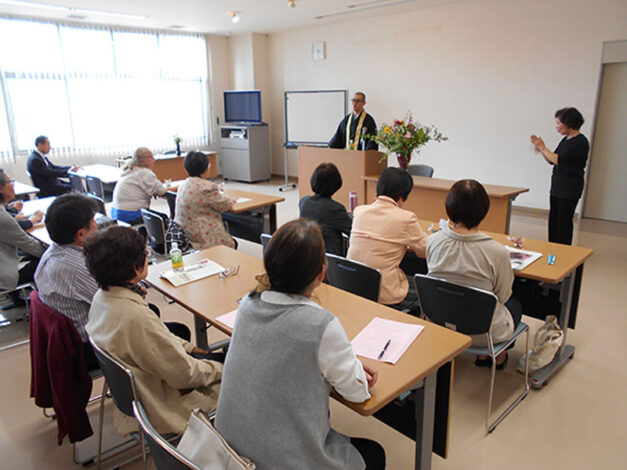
170, 196
99, 201
353, 277
119, 379
95, 186
469, 310
265, 239
155, 223
77, 183
420, 170
164, 454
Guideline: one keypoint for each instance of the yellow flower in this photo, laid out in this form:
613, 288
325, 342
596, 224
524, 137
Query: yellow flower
386, 129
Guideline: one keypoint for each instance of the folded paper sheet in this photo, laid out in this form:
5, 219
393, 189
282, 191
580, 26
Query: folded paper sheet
192, 272
372, 340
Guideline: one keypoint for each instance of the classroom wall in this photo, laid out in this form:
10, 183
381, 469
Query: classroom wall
488, 73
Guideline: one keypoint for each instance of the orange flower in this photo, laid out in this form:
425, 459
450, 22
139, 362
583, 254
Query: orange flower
386, 129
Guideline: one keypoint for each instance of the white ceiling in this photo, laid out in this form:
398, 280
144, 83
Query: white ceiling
211, 16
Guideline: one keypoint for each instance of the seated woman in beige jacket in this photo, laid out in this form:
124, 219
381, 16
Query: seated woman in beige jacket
464, 255
170, 382
382, 234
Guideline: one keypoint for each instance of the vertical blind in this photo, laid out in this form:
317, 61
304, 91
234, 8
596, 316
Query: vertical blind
100, 90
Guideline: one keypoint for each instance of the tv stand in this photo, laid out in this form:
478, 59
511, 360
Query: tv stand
245, 152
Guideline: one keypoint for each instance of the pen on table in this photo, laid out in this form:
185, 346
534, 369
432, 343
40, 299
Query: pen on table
384, 349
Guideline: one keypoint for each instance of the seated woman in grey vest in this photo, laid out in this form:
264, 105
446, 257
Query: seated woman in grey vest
462, 254
286, 353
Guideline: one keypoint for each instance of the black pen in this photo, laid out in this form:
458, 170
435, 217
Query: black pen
384, 349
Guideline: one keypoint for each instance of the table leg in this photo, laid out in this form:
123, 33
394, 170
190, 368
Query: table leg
425, 413
269, 219
509, 214
566, 351
200, 327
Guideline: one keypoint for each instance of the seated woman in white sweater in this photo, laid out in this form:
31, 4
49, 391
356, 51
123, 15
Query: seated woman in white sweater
463, 255
286, 353
136, 188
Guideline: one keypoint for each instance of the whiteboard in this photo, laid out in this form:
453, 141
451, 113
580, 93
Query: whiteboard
312, 117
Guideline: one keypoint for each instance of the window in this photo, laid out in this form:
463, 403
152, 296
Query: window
101, 89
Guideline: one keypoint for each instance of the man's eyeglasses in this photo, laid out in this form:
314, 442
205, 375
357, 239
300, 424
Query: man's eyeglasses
357, 101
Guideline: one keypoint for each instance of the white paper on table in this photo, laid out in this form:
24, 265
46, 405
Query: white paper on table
193, 272
239, 200
228, 318
372, 339
520, 259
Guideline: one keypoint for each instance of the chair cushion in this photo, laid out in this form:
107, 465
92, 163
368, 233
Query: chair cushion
499, 347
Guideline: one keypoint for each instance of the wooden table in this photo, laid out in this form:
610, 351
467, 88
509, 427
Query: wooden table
171, 166
210, 297
429, 195
38, 230
24, 191
108, 174
260, 209
563, 283
563, 277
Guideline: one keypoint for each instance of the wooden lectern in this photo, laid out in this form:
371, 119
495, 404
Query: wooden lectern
352, 164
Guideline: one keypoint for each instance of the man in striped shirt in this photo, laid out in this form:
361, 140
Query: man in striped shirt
62, 278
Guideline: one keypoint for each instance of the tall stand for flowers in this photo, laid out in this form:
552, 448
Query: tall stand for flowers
405, 136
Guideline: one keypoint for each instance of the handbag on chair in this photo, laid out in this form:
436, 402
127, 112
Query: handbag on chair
202, 444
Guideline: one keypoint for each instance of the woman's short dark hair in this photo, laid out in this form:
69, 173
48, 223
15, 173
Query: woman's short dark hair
395, 183
467, 202
294, 256
326, 180
113, 255
196, 163
67, 215
570, 117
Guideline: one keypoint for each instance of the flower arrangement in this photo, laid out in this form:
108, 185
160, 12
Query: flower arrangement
177, 141
405, 136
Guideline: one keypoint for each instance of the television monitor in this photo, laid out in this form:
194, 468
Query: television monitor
242, 106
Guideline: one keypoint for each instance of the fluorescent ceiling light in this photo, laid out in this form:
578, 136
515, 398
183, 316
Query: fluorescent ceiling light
362, 7
72, 10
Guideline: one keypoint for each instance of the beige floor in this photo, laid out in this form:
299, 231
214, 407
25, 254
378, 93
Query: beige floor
578, 421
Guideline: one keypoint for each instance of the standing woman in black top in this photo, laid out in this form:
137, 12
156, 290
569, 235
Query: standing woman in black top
569, 161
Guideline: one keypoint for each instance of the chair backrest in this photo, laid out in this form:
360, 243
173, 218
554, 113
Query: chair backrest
265, 239
467, 310
353, 277
170, 196
155, 226
94, 186
77, 183
119, 379
164, 454
101, 204
420, 170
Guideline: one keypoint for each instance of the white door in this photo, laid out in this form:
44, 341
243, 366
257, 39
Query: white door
606, 193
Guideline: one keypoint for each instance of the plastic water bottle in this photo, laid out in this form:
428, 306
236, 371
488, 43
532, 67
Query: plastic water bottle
352, 200
176, 255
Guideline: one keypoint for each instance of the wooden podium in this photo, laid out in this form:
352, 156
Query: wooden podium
353, 165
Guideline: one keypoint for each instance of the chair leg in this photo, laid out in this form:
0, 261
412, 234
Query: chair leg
142, 444
101, 425
495, 423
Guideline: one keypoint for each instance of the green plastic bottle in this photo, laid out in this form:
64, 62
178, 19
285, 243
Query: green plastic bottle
176, 255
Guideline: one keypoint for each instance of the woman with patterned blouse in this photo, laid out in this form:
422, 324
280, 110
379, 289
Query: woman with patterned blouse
199, 204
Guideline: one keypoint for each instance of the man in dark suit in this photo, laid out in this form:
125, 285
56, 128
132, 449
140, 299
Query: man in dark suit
354, 127
46, 174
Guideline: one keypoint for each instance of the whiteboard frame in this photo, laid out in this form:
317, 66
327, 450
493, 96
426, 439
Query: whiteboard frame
293, 144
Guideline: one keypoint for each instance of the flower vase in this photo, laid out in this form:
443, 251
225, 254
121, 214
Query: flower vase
178, 149
403, 160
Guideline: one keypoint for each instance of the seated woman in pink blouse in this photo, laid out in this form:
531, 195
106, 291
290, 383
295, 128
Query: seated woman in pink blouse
199, 204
